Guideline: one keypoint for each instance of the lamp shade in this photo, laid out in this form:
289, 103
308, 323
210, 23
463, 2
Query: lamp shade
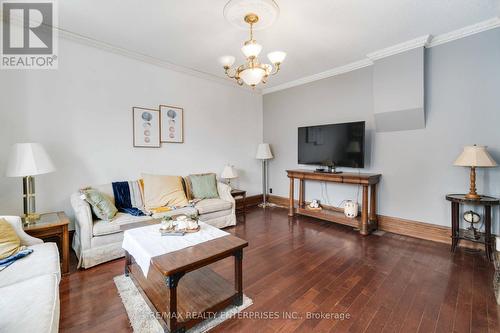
28, 159
475, 156
229, 172
252, 76
264, 152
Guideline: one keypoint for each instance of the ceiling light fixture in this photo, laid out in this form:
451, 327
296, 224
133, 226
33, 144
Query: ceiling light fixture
252, 72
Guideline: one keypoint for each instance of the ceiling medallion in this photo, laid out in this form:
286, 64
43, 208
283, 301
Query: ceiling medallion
252, 72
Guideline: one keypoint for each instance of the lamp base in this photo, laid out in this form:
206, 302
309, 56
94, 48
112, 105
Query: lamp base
473, 196
31, 218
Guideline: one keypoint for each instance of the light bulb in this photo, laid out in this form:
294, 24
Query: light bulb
252, 76
251, 49
276, 57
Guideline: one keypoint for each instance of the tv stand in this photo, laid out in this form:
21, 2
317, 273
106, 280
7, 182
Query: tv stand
368, 220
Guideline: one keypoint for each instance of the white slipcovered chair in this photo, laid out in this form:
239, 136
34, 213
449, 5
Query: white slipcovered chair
29, 287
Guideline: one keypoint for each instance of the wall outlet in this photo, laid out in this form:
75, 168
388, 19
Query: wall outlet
270, 190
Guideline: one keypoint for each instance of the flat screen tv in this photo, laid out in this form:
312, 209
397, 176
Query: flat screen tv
341, 145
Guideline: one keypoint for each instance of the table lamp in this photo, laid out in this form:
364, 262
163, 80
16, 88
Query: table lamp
229, 173
264, 153
27, 160
475, 157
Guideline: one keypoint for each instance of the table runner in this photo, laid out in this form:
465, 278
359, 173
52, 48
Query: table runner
145, 243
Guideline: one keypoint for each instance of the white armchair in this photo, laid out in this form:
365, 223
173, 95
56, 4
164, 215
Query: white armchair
17, 224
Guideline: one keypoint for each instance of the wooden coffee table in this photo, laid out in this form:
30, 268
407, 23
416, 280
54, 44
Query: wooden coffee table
182, 290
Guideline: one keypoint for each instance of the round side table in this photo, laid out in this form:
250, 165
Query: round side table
456, 233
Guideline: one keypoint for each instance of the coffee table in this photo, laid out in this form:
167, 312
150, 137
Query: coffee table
179, 286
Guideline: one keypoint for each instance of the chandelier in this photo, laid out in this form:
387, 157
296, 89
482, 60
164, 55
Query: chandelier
252, 72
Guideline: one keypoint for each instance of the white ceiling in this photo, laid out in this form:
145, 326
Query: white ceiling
318, 35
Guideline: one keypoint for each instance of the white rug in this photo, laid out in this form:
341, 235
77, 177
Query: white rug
143, 320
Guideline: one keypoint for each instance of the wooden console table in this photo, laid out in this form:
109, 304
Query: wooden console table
368, 220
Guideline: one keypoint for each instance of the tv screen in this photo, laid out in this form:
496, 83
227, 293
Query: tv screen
340, 144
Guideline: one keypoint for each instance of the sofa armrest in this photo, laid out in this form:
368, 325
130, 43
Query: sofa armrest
83, 220
225, 192
17, 224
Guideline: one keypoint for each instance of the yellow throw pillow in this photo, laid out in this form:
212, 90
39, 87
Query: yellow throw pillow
162, 190
9, 241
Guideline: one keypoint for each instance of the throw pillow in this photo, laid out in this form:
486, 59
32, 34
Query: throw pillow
204, 186
102, 207
9, 241
161, 190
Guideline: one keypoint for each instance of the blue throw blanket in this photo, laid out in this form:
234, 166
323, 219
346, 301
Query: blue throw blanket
4, 263
121, 191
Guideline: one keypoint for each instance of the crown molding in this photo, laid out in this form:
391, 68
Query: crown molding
400, 48
84, 40
148, 59
319, 76
466, 31
427, 41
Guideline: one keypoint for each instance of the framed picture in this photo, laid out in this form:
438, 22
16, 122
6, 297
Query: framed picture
172, 124
146, 127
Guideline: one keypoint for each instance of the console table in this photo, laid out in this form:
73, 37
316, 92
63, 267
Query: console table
368, 220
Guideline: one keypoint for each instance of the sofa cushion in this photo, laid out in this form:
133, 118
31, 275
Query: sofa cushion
31, 305
206, 206
102, 227
204, 186
215, 215
9, 241
184, 210
161, 190
102, 206
43, 260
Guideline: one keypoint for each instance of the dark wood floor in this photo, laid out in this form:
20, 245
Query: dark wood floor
386, 283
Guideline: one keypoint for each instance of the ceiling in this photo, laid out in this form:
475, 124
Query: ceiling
317, 35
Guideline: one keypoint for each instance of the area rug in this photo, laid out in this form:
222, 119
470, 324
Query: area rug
143, 320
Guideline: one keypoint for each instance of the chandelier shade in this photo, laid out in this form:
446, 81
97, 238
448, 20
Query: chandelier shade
251, 49
252, 76
252, 72
276, 57
227, 61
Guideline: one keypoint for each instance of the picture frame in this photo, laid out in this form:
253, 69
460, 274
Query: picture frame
172, 124
146, 127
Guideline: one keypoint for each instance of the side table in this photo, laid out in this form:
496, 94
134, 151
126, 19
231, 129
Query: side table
457, 234
240, 197
52, 225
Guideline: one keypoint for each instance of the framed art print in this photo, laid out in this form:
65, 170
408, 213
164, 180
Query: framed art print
146, 127
172, 124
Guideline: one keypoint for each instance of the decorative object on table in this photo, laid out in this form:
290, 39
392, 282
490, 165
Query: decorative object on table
27, 160
172, 124
178, 225
457, 234
146, 127
350, 209
229, 173
49, 226
252, 72
475, 157
264, 153
472, 218
314, 205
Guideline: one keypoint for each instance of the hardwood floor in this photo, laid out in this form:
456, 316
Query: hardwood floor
386, 283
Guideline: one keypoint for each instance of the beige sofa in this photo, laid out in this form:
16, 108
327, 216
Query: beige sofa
97, 241
29, 288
